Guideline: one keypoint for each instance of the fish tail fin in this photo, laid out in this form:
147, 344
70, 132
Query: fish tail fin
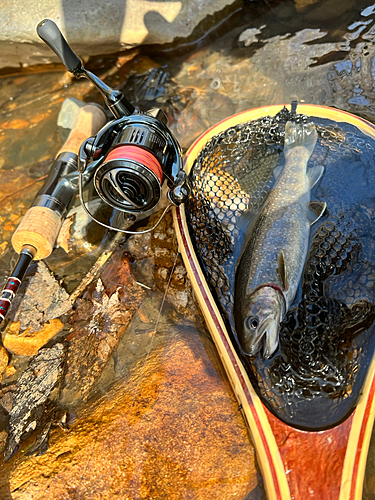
300, 134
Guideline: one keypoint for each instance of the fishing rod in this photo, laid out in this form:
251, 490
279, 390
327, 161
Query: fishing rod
35, 237
127, 162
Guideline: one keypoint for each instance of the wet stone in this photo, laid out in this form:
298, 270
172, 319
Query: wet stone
200, 449
33, 388
43, 300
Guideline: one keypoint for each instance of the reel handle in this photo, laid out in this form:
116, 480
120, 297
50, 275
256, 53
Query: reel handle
41, 224
51, 35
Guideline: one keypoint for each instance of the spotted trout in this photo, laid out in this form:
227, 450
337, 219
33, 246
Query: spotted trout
276, 245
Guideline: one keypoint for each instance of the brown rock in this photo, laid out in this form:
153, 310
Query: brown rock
170, 429
43, 300
101, 319
28, 343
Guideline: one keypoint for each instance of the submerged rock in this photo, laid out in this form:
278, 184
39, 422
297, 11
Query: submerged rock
43, 300
170, 428
33, 389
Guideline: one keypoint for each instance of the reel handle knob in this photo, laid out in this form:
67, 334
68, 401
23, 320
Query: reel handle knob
52, 36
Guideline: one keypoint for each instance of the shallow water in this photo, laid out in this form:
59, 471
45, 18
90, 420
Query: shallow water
269, 53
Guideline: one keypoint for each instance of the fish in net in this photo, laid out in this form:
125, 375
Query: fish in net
314, 378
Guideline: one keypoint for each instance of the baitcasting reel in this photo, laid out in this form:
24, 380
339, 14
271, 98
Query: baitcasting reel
133, 155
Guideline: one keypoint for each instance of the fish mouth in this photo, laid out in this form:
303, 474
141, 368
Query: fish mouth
267, 335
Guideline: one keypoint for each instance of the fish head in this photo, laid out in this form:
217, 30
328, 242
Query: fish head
262, 313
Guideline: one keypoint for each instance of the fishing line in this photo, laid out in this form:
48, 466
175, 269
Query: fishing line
156, 327
85, 208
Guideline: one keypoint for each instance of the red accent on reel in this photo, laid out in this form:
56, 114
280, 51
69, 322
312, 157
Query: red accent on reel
140, 155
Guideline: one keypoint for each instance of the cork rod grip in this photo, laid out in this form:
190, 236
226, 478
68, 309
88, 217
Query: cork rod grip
39, 228
41, 225
89, 121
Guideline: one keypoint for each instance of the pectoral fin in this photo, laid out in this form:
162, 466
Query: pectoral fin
315, 210
314, 174
282, 270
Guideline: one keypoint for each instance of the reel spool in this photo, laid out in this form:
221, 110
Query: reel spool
131, 176
130, 179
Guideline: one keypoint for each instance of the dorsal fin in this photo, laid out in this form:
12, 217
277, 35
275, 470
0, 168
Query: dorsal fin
282, 270
300, 134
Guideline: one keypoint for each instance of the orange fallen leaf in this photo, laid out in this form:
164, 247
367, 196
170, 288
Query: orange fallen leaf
20, 80
28, 343
10, 370
15, 124
40, 117
143, 317
4, 358
128, 56
9, 227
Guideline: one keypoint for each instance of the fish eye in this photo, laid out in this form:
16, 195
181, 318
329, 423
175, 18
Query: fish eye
252, 322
